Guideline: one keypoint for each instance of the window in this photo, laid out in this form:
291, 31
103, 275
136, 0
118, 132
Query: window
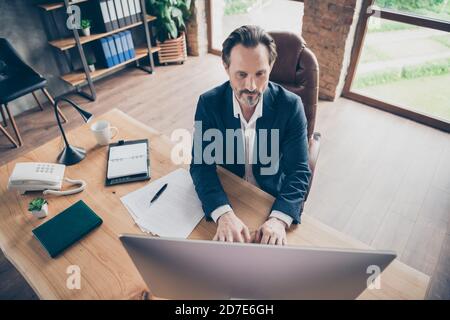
436, 9
406, 65
402, 60
271, 15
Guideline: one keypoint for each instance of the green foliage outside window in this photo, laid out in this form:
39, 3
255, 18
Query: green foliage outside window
436, 8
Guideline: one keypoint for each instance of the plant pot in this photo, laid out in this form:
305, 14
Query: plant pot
173, 50
91, 67
41, 213
86, 32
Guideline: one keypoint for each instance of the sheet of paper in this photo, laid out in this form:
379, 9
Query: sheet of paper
174, 214
127, 160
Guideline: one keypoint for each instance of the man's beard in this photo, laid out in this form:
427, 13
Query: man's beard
250, 101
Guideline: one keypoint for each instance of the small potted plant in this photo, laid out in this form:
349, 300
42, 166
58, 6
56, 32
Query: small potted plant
86, 27
91, 64
38, 207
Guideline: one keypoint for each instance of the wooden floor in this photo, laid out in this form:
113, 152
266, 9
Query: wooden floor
380, 178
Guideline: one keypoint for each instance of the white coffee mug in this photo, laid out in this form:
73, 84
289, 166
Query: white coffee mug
103, 132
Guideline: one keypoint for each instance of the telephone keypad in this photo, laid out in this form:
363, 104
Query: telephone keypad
44, 168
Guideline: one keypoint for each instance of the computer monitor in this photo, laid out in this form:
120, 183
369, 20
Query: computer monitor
197, 269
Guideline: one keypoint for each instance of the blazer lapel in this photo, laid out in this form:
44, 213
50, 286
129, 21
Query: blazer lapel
233, 123
268, 114
265, 122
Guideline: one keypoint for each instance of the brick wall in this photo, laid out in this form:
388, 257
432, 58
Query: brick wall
329, 30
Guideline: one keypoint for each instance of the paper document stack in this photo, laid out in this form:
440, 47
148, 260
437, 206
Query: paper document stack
174, 214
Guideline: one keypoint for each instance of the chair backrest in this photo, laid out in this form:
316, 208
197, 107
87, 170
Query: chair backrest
297, 69
12, 62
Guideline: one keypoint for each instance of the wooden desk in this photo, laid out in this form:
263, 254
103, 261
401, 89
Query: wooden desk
106, 270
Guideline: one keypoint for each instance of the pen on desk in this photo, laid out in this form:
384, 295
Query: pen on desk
160, 191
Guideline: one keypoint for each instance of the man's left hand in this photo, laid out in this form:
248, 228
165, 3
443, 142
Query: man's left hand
273, 231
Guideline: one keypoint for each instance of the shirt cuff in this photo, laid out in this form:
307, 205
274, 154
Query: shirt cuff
220, 211
282, 216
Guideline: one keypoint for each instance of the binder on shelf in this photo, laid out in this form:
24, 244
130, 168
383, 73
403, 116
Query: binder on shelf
112, 48
126, 50
137, 6
132, 11
113, 15
102, 20
119, 48
130, 44
104, 55
119, 11
126, 12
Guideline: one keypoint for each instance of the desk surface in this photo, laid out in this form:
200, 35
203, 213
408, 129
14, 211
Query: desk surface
106, 270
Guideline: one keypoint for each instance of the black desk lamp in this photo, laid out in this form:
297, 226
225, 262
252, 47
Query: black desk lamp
71, 155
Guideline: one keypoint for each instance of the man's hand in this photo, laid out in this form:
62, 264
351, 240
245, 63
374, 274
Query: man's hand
230, 228
273, 231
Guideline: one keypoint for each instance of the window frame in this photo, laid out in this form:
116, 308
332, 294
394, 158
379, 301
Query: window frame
361, 31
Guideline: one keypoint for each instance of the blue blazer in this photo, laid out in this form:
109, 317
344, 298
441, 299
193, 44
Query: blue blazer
282, 110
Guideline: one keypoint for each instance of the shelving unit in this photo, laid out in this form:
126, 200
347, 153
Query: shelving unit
69, 43
79, 78
58, 5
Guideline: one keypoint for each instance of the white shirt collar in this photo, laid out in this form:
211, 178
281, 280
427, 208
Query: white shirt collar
238, 112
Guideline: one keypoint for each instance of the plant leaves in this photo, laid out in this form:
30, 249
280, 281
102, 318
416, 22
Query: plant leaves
172, 29
176, 13
171, 16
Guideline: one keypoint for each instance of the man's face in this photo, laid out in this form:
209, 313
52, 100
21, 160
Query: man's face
249, 71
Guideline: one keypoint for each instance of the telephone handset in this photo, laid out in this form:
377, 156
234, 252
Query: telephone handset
40, 176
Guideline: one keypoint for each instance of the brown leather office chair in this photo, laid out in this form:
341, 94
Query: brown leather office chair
297, 70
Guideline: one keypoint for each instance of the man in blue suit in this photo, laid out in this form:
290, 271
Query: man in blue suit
238, 125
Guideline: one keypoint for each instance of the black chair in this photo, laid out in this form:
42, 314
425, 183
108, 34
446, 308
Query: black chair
16, 80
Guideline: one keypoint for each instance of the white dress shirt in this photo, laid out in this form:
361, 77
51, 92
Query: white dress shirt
249, 136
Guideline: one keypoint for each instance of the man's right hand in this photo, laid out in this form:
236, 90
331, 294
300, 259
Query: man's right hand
231, 229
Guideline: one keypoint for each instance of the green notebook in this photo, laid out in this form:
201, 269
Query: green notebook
66, 228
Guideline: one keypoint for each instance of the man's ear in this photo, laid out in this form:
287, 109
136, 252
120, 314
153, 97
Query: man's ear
227, 69
271, 67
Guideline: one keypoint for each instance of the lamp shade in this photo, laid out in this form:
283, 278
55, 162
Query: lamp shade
87, 116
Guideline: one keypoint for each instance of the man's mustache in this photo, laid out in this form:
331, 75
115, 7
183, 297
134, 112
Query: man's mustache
249, 92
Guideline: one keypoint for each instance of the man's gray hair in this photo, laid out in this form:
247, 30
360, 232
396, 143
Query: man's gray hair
249, 36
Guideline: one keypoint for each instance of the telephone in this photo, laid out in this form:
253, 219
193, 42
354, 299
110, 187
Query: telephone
40, 176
